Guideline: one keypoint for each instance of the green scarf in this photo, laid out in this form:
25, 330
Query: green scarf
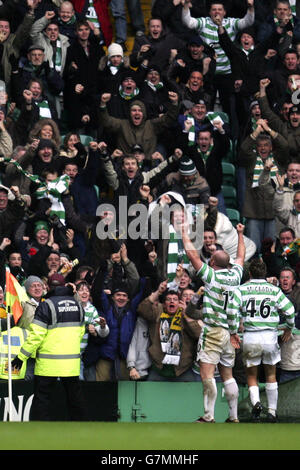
176, 254
247, 52
33, 178
126, 96
171, 337
53, 191
154, 87
205, 155
57, 58
253, 123
259, 166
71, 21
114, 68
192, 132
213, 116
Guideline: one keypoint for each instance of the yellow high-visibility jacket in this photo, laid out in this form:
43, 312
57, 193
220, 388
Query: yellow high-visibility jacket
55, 335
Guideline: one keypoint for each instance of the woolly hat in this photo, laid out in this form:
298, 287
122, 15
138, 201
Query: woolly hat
115, 49
187, 167
128, 73
41, 225
30, 280
253, 103
121, 287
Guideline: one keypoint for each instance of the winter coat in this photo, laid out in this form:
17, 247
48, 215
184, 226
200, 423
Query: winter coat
13, 45
120, 333
138, 355
145, 135
211, 169
39, 37
159, 53
258, 202
151, 312
291, 134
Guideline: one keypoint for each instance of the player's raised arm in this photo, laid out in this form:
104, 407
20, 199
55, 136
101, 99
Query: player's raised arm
241, 249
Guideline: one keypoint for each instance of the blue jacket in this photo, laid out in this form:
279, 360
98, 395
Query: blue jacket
116, 344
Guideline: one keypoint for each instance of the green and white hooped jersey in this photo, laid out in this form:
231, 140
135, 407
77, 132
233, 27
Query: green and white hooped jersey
208, 32
259, 303
219, 287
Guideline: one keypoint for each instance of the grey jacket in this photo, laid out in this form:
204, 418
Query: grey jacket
138, 355
39, 37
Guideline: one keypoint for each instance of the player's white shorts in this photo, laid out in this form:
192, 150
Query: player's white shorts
214, 346
260, 347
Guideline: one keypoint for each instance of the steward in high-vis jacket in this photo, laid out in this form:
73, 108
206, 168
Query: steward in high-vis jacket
55, 336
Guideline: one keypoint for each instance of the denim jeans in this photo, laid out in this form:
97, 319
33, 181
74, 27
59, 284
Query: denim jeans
118, 11
258, 229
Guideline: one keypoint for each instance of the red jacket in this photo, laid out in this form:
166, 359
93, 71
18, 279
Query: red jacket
101, 7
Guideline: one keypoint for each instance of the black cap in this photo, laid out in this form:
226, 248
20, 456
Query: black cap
137, 148
201, 101
196, 40
294, 109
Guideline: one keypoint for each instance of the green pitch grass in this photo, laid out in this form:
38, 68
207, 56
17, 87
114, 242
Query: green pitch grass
147, 436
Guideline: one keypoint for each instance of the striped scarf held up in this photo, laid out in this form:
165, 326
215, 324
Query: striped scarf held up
176, 254
259, 166
53, 190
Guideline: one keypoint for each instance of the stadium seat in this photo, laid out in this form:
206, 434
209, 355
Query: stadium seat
234, 216
229, 193
228, 174
84, 139
96, 187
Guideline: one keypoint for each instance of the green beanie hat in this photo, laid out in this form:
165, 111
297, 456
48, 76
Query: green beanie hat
41, 225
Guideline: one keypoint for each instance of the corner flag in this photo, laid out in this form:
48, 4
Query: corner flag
15, 294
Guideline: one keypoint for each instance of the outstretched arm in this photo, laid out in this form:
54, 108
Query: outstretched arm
241, 249
191, 251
